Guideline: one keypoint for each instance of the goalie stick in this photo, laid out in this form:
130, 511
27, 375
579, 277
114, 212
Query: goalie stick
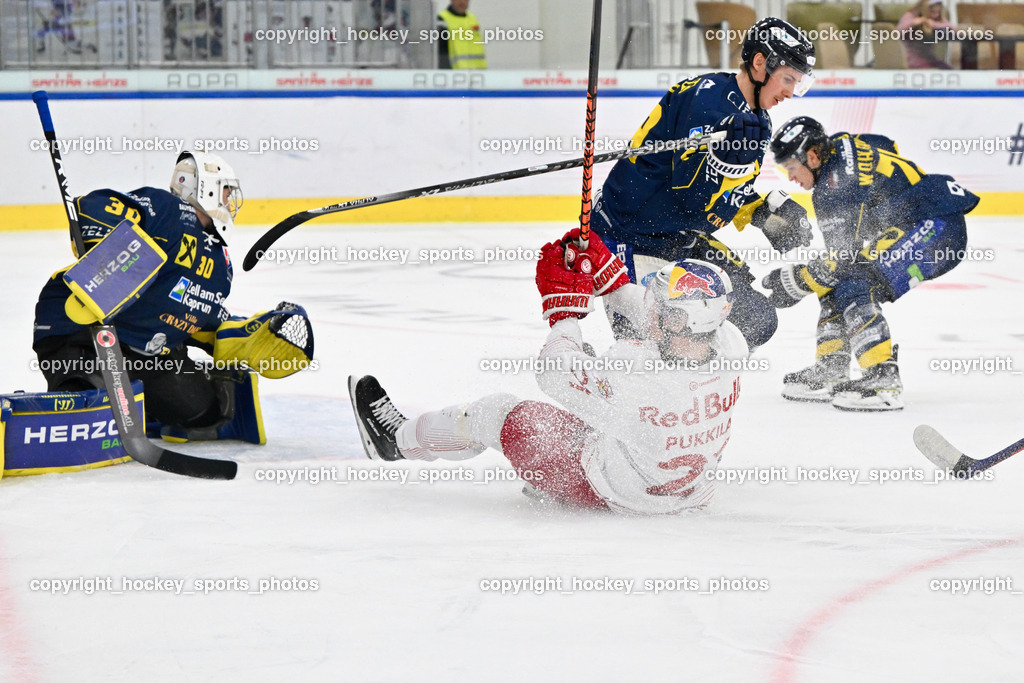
947, 456
275, 233
108, 350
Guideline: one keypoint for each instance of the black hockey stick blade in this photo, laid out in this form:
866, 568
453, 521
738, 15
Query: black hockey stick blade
130, 426
945, 455
268, 238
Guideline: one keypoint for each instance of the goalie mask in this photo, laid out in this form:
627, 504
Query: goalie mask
208, 183
688, 297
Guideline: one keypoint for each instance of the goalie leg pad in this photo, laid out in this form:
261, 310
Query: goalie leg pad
274, 343
241, 418
62, 431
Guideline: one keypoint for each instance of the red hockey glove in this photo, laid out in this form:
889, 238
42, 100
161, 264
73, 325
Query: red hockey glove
564, 293
609, 272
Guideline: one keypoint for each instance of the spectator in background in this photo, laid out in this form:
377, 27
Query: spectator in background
461, 44
57, 23
920, 23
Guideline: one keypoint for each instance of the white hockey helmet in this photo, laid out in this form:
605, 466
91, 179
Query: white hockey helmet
688, 297
208, 183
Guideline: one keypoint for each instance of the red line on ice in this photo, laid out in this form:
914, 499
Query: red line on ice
788, 660
1001, 277
14, 644
949, 285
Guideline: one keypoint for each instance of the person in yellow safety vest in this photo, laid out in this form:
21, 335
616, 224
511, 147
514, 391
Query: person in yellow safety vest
461, 44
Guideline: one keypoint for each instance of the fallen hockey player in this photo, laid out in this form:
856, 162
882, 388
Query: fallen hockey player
633, 442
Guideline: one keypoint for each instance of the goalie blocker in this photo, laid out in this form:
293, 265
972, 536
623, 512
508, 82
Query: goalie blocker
112, 275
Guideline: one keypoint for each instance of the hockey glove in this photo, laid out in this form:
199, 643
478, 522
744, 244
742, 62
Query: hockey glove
746, 134
791, 283
609, 272
783, 221
786, 286
565, 293
274, 343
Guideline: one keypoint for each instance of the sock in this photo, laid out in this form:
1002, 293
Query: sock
457, 432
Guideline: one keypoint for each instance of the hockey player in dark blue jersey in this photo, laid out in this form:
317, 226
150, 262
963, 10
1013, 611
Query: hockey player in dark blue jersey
888, 226
183, 305
667, 206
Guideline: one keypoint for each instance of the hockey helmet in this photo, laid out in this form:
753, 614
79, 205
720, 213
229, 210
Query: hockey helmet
688, 297
796, 136
207, 182
782, 44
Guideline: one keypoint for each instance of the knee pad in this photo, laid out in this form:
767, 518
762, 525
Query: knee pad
236, 414
486, 417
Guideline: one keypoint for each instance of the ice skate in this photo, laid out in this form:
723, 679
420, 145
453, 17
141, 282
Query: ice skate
814, 384
878, 390
376, 417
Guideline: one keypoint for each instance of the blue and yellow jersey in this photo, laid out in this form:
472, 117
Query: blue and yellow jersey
865, 187
188, 293
659, 194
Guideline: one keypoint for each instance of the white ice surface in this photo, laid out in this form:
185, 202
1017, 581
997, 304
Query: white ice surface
399, 566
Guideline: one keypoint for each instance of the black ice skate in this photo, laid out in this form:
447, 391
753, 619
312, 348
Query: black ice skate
814, 384
376, 417
879, 389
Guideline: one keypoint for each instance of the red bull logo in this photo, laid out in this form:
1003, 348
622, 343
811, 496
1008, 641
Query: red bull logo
683, 282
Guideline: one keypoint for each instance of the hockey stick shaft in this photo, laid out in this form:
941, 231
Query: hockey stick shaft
591, 125
1013, 449
43, 107
275, 233
943, 454
108, 350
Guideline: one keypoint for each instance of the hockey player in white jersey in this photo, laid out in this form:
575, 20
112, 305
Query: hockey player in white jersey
637, 441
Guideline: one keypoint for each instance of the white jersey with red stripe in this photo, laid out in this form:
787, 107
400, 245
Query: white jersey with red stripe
658, 430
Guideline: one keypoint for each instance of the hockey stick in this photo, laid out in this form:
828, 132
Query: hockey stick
588, 148
275, 233
108, 350
947, 456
